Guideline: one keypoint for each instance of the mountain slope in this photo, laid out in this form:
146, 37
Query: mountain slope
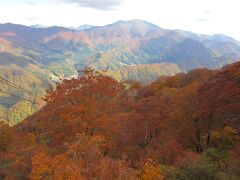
190, 54
144, 72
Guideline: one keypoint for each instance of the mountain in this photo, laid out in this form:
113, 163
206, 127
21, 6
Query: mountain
128, 42
133, 49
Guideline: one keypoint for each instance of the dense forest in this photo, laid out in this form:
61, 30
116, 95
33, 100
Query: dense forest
183, 127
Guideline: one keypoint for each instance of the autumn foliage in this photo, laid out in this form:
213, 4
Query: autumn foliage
93, 127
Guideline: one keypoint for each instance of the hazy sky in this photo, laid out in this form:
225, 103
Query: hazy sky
201, 16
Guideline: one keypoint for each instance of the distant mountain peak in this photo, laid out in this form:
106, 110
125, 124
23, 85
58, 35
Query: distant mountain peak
38, 26
84, 27
135, 22
135, 27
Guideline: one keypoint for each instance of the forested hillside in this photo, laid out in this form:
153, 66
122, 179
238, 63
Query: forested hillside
94, 127
20, 92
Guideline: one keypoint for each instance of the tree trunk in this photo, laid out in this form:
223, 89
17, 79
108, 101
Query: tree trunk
198, 137
209, 136
198, 143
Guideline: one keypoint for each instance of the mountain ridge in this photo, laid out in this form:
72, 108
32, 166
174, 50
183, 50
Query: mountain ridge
50, 54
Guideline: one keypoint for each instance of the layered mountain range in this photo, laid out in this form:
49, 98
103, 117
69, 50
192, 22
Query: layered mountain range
33, 57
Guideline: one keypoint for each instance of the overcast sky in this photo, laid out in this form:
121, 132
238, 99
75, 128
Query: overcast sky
201, 16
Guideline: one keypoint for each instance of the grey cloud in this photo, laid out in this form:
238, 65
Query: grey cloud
96, 4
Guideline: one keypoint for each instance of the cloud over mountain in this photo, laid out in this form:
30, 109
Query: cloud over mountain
96, 4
